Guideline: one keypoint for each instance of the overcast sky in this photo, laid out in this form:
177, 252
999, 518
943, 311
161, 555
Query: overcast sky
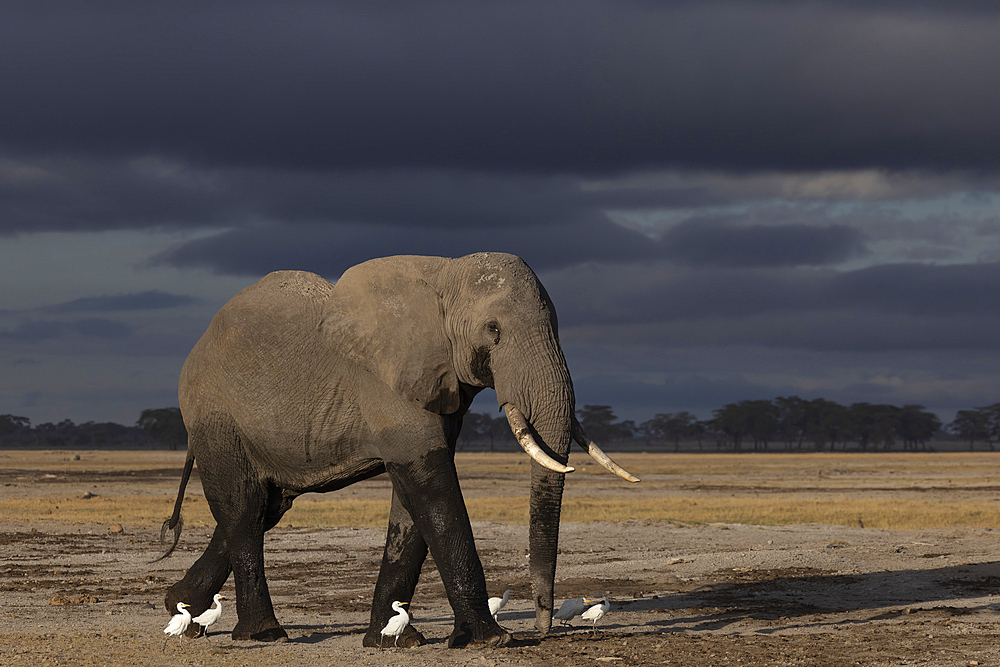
726, 200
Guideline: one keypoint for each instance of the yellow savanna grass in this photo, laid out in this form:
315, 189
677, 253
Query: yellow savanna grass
756, 510
880, 513
877, 490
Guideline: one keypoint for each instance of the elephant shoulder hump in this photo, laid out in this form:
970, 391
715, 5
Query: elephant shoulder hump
297, 283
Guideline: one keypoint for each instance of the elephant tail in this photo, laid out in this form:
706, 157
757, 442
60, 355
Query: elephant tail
175, 522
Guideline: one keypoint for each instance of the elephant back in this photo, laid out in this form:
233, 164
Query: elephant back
252, 337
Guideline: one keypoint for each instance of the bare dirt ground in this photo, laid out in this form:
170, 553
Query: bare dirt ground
707, 594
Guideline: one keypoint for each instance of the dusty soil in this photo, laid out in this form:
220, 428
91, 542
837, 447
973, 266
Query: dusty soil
684, 595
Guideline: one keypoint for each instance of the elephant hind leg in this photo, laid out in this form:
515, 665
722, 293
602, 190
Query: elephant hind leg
244, 509
203, 580
253, 599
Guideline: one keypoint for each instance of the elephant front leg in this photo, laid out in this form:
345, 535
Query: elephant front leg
428, 490
404, 555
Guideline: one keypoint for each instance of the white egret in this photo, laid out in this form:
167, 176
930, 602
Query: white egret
394, 628
597, 612
210, 615
496, 604
179, 622
570, 609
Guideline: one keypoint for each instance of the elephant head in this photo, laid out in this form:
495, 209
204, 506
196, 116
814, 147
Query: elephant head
440, 330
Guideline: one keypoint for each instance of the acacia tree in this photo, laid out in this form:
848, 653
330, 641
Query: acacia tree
598, 422
972, 425
478, 424
484, 427
827, 422
13, 423
792, 415
917, 426
165, 426
992, 413
666, 426
735, 420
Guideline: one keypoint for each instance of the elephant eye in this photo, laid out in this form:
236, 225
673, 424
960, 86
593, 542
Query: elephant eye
494, 330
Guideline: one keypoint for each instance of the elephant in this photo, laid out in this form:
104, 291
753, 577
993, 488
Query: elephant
301, 385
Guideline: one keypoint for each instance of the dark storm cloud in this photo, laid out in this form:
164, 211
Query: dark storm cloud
136, 301
702, 242
899, 306
634, 295
921, 289
595, 87
39, 331
663, 396
149, 300
331, 248
75, 195
40, 193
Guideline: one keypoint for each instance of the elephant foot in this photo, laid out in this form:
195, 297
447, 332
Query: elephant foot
464, 635
410, 638
273, 634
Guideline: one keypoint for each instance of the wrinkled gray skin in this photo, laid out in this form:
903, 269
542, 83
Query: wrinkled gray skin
302, 386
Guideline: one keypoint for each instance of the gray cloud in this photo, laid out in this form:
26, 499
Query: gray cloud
791, 138
634, 295
921, 289
73, 194
701, 242
892, 307
589, 87
38, 331
149, 300
331, 248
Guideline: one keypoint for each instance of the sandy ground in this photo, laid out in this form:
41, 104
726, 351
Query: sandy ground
683, 595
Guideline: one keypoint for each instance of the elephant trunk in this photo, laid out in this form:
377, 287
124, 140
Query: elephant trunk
541, 415
543, 540
553, 431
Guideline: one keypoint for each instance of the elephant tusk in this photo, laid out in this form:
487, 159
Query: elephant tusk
519, 425
598, 455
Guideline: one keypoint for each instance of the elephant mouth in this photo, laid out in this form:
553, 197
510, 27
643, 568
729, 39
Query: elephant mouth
523, 432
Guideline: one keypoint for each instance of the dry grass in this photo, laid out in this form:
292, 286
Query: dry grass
886, 491
756, 510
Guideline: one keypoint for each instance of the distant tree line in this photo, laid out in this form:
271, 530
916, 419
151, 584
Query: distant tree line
794, 421
784, 423
159, 428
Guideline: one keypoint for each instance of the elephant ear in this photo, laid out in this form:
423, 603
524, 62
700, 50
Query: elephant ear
385, 317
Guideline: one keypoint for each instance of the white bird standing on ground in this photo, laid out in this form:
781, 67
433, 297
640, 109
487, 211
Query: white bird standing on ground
210, 615
496, 604
394, 628
597, 612
179, 622
570, 609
